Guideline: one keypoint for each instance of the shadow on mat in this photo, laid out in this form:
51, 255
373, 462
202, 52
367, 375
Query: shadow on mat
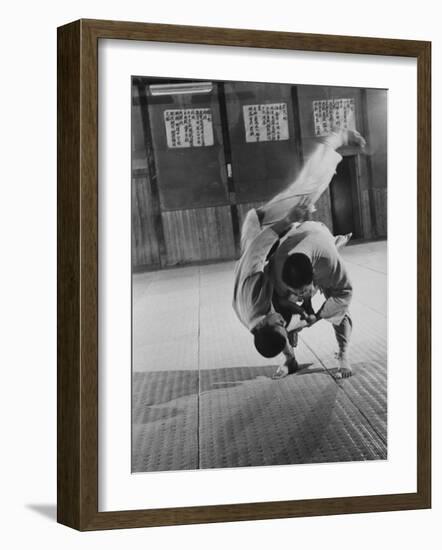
245, 419
270, 424
156, 388
305, 369
216, 379
144, 415
150, 389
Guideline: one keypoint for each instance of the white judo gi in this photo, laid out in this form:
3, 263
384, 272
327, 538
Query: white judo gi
254, 286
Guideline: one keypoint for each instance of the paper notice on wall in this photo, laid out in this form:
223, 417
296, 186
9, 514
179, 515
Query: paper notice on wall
188, 127
267, 122
329, 114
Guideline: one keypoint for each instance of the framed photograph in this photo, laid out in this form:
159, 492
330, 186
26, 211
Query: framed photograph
243, 275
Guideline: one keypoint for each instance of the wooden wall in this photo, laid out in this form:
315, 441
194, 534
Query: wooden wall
196, 229
145, 248
380, 208
145, 251
367, 226
188, 177
371, 121
198, 235
376, 111
308, 94
261, 169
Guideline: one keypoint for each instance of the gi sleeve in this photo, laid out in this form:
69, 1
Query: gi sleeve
252, 297
332, 278
255, 256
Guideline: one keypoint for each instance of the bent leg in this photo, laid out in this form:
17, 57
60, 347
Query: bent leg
314, 177
343, 332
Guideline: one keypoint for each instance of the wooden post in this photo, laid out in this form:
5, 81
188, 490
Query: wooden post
228, 158
152, 171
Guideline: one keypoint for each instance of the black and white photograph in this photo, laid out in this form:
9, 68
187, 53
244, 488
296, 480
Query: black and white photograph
259, 274
219, 237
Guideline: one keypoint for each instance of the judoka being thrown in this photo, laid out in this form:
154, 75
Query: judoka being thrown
286, 259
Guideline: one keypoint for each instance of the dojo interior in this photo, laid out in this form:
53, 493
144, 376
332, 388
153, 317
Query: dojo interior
203, 154
189, 199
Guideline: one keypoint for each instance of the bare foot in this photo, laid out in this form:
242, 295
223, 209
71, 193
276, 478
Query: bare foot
344, 369
343, 372
342, 240
353, 137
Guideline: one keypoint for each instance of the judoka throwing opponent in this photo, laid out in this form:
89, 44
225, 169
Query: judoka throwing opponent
285, 260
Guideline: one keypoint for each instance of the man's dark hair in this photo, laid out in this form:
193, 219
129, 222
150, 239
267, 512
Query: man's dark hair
270, 340
297, 270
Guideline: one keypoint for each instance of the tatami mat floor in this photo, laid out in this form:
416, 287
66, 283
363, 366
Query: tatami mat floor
204, 398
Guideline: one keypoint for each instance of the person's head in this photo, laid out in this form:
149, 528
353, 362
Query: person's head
270, 336
297, 273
